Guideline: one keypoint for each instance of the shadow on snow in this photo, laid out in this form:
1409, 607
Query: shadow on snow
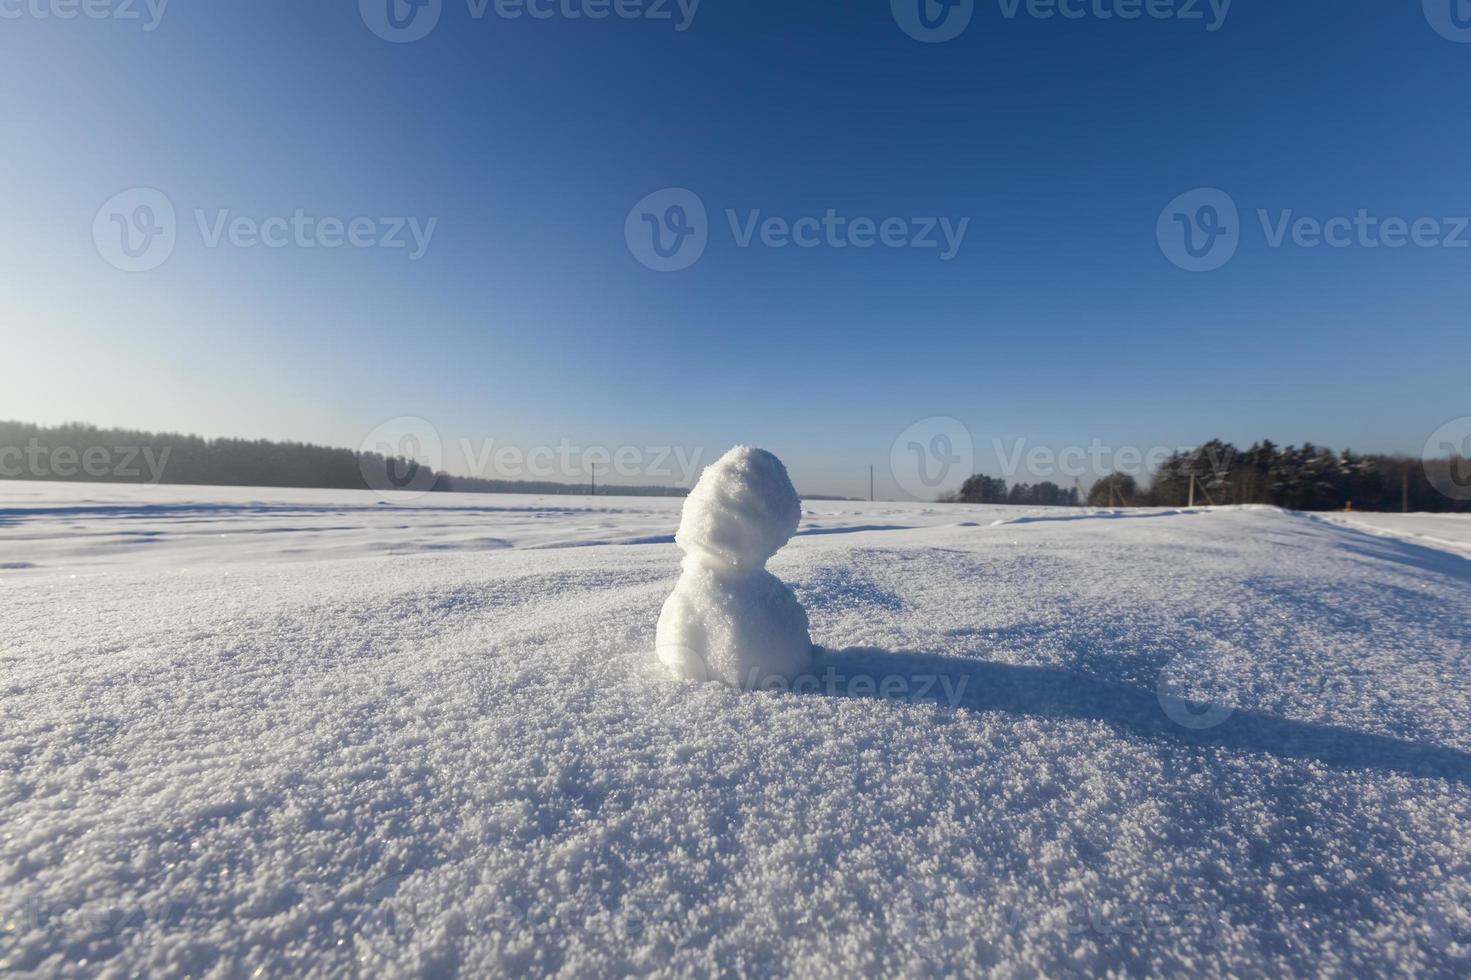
1050, 692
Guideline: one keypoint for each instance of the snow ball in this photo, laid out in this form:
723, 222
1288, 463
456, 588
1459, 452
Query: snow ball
740, 513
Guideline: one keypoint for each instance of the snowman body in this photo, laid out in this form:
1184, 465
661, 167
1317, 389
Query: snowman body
728, 618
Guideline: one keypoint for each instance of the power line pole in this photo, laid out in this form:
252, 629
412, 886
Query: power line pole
1192, 490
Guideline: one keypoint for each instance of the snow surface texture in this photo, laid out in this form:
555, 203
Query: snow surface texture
301, 733
728, 618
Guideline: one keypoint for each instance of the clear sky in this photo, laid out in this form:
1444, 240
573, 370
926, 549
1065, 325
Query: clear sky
529, 319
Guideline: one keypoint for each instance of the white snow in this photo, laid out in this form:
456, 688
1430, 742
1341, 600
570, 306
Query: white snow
728, 618
300, 733
76, 525
1449, 531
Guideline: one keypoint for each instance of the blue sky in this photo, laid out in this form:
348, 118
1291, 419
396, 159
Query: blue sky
529, 320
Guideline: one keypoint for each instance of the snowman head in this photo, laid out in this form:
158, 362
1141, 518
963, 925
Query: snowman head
740, 513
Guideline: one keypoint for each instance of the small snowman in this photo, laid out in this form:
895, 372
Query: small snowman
729, 619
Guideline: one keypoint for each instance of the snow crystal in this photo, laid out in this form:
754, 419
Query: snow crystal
729, 619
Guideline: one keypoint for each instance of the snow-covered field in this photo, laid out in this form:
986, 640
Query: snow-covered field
1449, 531
313, 733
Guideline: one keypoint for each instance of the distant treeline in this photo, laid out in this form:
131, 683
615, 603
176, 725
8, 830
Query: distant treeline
981, 489
79, 452
1305, 477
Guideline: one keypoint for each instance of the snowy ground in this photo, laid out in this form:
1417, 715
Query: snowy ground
312, 733
1449, 531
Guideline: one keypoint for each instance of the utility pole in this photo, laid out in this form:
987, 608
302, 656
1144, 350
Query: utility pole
1192, 490
870, 483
